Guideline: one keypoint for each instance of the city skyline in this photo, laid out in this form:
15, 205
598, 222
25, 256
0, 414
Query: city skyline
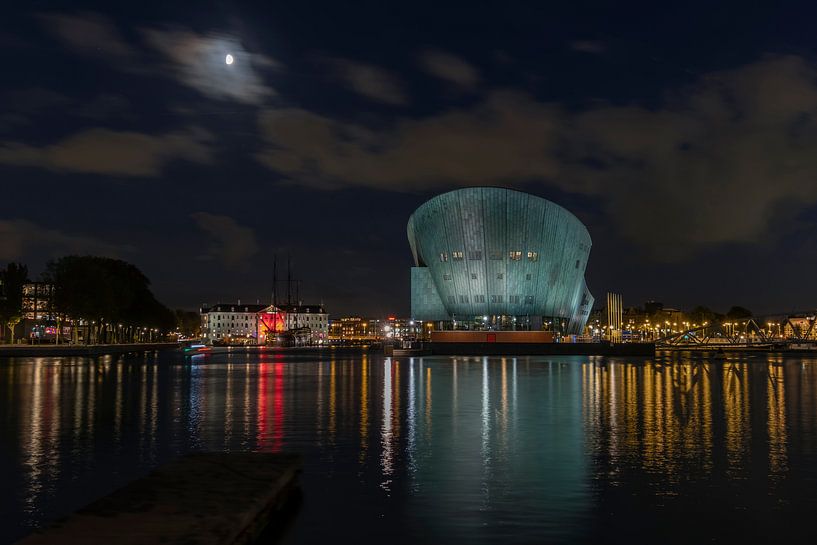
684, 144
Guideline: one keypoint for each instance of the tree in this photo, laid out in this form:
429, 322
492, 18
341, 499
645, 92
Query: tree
188, 323
12, 279
12, 324
701, 314
738, 313
111, 294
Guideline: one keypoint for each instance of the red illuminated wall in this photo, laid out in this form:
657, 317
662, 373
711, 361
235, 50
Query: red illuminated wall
270, 322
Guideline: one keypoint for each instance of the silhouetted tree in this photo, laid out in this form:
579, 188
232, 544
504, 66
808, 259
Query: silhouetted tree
111, 293
701, 314
737, 313
188, 323
12, 279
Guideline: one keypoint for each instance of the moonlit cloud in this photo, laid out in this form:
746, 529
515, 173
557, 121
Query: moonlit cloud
113, 153
197, 60
370, 81
449, 68
740, 144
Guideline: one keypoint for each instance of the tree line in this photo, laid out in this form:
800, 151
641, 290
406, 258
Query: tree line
105, 299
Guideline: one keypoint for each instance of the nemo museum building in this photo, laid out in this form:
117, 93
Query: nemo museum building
498, 259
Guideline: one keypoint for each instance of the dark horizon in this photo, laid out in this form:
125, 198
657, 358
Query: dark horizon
683, 138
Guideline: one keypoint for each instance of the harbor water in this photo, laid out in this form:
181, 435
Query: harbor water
679, 448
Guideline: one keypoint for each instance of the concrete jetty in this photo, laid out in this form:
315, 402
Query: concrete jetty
204, 499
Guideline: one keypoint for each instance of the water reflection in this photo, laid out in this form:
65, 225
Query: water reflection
441, 449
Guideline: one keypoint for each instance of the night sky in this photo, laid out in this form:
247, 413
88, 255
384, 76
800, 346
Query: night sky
685, 139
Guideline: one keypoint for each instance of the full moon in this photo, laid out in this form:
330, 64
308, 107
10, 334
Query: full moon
228, 59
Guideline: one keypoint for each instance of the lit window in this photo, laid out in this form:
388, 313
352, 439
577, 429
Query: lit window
533, 256
457, 256
515, 255
443, 256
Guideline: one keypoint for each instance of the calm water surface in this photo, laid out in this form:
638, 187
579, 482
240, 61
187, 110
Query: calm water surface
438, 450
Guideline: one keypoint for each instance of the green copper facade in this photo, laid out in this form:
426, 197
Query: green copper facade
487, 251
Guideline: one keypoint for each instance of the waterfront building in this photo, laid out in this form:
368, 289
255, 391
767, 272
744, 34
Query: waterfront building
498, 258
39, 320
230, 323
313, 317
355, 329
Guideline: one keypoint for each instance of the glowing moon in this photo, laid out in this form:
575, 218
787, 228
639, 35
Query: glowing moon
228, 59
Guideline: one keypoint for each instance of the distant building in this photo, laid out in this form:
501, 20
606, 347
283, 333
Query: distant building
230, 323
38, 301
355, 328
313, 317
39, 320
799, 327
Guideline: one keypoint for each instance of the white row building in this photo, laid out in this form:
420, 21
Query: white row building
249, 324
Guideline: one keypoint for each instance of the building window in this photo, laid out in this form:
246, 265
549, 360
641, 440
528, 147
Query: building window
473, 276
479, 298
528, 276
496, 298
500, 276
457, 256
446, 277
496, 256
443, 256
514, 299
577, 263
515, 255
463, 299
529, 299
476, 255
452, 299
533, 256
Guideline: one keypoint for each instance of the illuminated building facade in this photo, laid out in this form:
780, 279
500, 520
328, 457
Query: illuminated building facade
313, 317
224, 323
505, 255
355, 328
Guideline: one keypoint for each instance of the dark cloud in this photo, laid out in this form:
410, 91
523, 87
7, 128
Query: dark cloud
588, 46
739, 144
91, 34
233, 244
370, 81
449, 68
20, 238
115, 153
106, 106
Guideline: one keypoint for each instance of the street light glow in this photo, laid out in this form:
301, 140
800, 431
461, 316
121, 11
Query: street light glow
229, 59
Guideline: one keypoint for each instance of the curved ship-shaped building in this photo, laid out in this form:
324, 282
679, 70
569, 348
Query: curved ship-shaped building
499, 253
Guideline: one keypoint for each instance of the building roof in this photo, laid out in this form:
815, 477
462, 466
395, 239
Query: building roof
232, 307
303, 309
